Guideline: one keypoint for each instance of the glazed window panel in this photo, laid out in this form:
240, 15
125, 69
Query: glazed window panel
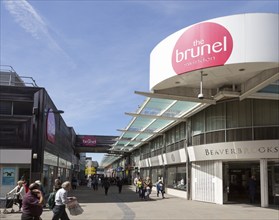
239, 114
22, 108
215, 137
182, 131
198, 139
198, 123
176, 177
266, 112
266, 133
181, 178
157, 173
5, 108
170, 136
244, 134
171, 177
215, 117
177, 133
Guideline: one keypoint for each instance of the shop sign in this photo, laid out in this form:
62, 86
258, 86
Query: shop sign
155, 161
8, 176
50, 126
235, 150
62, 163
173, 157
144, 163
89, 141
203, 45
50, 159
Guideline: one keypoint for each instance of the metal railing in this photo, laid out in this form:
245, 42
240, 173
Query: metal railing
9, 77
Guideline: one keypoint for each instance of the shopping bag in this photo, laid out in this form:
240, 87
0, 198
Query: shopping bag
74, 207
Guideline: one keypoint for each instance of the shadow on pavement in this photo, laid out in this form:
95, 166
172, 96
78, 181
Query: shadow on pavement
88, 195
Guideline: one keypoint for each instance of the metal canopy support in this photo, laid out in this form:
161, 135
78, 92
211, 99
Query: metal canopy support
139, 132
175, 97
259, 82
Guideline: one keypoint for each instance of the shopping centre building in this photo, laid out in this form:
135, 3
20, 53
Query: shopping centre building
35, 141
211, 118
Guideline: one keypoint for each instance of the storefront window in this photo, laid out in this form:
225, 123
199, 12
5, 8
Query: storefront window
181, 178
171, 177
156, 174
176, 177
144, 173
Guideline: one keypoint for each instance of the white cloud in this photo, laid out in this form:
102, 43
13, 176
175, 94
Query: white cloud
27, 17
32, 22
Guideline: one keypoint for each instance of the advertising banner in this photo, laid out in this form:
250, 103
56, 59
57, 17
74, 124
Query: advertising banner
8, 176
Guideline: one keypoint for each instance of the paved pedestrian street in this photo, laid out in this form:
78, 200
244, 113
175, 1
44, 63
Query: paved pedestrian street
128, 206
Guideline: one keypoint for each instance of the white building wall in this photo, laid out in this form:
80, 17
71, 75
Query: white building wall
207, 181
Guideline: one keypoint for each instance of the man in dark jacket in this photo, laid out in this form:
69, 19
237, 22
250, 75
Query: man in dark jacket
106, 185
119, 183
252, 188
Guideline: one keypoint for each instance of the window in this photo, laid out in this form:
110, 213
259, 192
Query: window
157, 173
176, 177
239, 114
5, 108
215, 117
198, 123
266, 112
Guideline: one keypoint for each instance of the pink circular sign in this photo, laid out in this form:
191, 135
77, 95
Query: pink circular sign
203, 45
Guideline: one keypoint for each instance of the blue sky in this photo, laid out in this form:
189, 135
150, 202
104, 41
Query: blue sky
92, 55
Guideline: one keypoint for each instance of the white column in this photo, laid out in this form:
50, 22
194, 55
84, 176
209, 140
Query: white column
218, 182
264, 183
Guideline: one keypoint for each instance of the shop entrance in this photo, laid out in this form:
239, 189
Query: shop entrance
236, 177
273, 182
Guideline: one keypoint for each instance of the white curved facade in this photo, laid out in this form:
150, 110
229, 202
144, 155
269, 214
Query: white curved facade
226, 59
247, 41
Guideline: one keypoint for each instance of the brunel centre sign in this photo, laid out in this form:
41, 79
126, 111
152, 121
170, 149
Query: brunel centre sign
203, 45
226, 43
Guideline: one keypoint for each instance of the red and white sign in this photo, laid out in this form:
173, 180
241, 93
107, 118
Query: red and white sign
89, 141
203, 45
50, 127
229, 43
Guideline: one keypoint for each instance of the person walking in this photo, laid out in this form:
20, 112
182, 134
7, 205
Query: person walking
252, 185
119, 183
106, 185
51, 197
140, 187
147, 187
160, 188
18, 192
32, 204
74, 183
61, 199
57, 184
136, 183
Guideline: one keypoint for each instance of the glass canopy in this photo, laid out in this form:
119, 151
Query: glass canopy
154, 115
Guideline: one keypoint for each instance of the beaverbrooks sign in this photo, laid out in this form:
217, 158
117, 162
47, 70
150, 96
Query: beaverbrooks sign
203, 45
235, 150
